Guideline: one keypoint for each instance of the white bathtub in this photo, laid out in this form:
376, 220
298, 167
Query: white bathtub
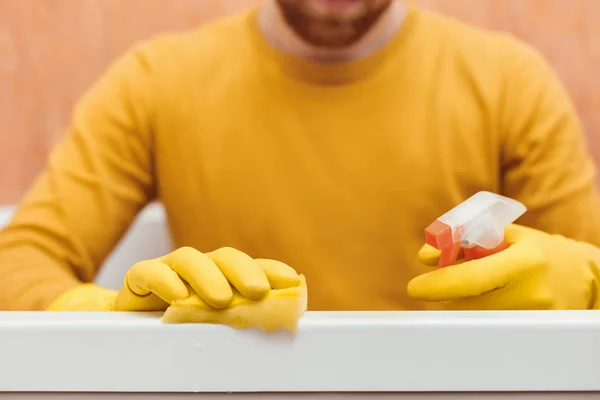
354, 355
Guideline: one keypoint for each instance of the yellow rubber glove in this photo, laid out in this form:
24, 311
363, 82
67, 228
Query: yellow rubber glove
225, 285
538, 271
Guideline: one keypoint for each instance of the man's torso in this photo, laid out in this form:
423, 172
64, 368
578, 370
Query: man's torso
337, 180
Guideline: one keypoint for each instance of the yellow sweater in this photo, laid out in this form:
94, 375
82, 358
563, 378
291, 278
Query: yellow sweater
334, 169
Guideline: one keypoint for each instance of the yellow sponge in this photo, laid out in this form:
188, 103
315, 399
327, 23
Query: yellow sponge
279, 309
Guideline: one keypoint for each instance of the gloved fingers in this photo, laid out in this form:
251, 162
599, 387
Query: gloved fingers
476, 277
242, 271
202, 274
279, 274
128, 301
429, 255
501, 299
153, 276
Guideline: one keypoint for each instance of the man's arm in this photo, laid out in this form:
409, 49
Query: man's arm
96, 181
546, 164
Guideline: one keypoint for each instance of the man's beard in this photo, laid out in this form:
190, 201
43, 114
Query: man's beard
330, 31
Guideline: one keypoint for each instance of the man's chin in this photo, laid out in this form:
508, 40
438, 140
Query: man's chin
331, 24
341, 10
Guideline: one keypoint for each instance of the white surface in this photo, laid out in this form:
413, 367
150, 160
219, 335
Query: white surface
148, 237
333, 352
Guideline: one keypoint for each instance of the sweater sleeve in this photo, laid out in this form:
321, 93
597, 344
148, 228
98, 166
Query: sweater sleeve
546, 163
97, 179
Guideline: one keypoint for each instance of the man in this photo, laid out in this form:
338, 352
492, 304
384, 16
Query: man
321, 135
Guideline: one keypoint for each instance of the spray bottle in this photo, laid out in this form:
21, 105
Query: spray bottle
476, 226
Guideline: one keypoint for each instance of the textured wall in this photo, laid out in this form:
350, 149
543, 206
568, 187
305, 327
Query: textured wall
51, 50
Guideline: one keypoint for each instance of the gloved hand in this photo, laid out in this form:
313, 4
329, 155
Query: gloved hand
538, 271
219, 282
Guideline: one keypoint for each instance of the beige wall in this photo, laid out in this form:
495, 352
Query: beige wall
51, 50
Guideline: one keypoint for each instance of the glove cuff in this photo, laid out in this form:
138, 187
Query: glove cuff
85, 297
